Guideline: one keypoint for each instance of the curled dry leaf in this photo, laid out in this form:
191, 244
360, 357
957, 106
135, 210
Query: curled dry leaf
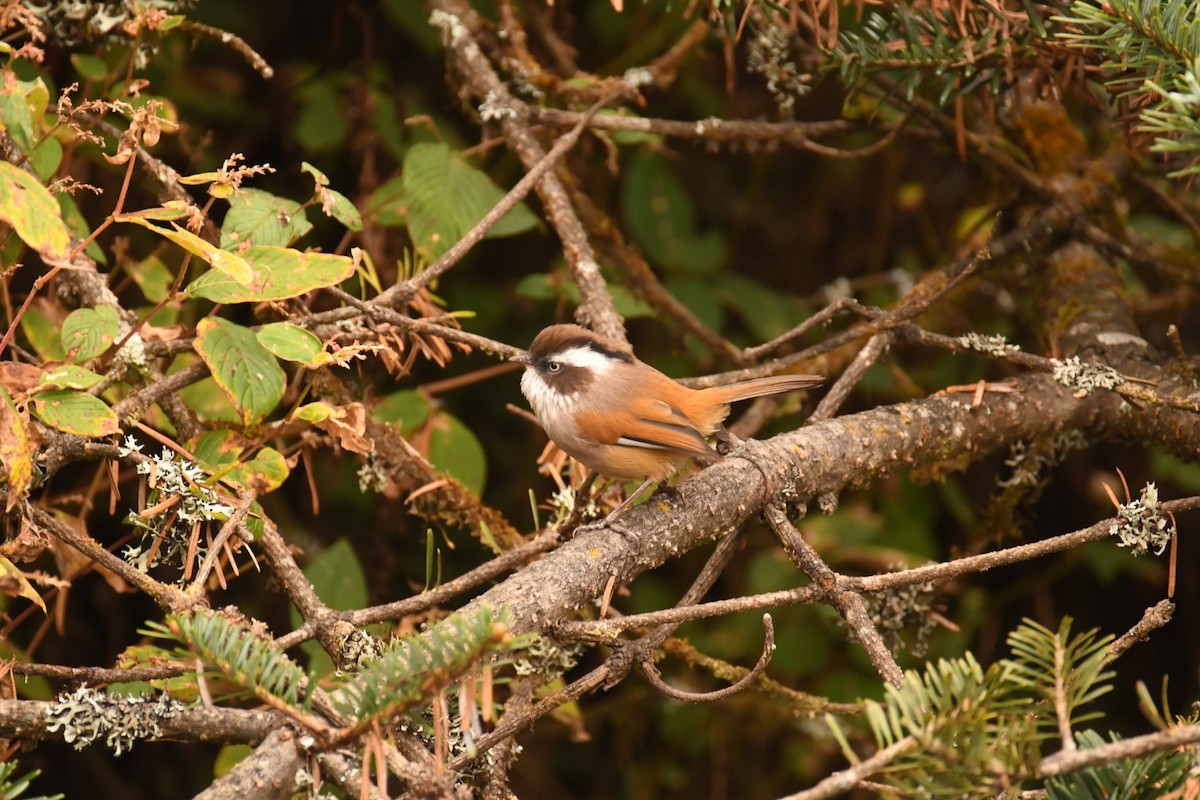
19, 378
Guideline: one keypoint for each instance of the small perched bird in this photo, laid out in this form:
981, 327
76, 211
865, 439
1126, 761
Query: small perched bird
623, 418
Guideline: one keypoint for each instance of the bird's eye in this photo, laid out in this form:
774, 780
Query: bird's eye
553, 366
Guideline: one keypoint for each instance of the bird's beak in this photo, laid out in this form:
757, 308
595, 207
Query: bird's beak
522, 358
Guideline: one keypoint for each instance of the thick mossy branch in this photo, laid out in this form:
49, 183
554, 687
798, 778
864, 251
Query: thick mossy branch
412, 670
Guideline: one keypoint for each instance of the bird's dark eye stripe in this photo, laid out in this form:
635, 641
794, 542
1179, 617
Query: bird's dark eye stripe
619, 355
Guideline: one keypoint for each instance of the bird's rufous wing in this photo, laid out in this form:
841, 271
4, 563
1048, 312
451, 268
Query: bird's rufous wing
647, 423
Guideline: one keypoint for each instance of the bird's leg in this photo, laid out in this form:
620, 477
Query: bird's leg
727, 441
608, 521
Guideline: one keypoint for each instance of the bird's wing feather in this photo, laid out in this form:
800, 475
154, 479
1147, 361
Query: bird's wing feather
650, 424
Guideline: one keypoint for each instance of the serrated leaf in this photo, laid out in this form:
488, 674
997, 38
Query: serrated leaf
290, 342
234, 266
88, 332
69, 376
447, 196
75, 412
16, 449
33, 213
278, 273
25, 589
244, 369
256, 217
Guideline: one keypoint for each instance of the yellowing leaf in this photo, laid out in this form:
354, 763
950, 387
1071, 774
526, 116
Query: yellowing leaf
244, 369
33, 213
16, 449
75, 412
219, 452
234, 266
9, 572
348, 423
278, 273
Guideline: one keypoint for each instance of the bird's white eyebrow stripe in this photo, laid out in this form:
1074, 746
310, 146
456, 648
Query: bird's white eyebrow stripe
584, 357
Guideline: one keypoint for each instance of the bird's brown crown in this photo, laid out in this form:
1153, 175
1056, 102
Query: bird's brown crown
561, 338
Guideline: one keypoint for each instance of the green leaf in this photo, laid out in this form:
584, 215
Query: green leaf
337, 576
264, 473
319, 177
79, 226
278, 273
88, 332
662, 218
407, 409
204, 396
388, 204
47, 158
43, 335
453, 449
447, 196
216, 450
233, 266
244, 369
321, 126
153, 278
15, 114
766, 312
290, 342
340, 208
228, 757
33, 213
69, 376
75, 412
256, 217
89, 67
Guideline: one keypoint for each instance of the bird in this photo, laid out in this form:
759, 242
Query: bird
621, 417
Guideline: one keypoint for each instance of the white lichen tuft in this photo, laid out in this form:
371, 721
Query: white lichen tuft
1084, 378
492, 109
1141, 526
637, 77
453, 31
87, 715
993, 344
